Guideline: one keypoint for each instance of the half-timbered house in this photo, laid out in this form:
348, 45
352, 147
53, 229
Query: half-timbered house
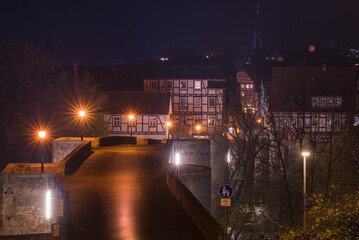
197, 93
150, 113
319, 99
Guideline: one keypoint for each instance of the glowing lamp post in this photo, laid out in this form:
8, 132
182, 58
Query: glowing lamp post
42, 135
82, 114
131, 117
305, 155
169, 125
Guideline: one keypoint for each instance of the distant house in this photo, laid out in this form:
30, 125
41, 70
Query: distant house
197, 93
326, 97
150, 113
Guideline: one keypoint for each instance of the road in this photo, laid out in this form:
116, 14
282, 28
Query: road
118, 193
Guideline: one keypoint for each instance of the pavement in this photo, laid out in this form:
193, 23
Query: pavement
119, 193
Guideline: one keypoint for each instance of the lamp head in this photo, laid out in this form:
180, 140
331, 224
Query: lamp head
42, 134
82, 113
305, 154
169, 124
131, 117
198, 127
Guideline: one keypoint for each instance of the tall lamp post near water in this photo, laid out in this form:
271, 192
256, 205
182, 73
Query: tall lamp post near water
82, 114
42, 135
305, 155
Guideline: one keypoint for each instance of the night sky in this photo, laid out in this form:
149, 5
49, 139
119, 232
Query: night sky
94, 32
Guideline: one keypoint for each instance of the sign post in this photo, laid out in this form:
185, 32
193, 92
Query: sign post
225, 191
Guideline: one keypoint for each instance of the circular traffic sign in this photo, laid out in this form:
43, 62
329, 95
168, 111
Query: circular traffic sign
59, 191
225, 191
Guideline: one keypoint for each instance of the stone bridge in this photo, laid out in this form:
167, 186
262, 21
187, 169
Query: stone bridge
113, 192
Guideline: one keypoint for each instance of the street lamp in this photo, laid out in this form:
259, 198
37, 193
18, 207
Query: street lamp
131, 117
305, 155
42, 135
82, 114
169, 125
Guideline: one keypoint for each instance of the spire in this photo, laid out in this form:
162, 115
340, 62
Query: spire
257, 40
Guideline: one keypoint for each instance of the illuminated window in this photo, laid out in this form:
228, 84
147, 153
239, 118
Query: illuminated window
152, 121
329, 123
242, 85
197, 84
247, 85
211, 102
330, 102
116, 121
242, 94
153, 84
250, 85
211, 121
315, 121
197, 102
169, 84
183, 84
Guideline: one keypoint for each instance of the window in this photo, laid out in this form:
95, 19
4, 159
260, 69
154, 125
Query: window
314, 122
247, 85
242, 85
116, 121
183, 102
183, 84
329, 122
197, 102
330, 102
152, 121
338, 102
153, 84
242, 94
211, 102
315, 102
323, 102
337, 122
197, 119
197, 84
250, 85
169, 84
211, 121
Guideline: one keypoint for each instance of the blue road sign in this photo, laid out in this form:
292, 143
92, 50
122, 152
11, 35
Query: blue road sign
225, 191
59, 191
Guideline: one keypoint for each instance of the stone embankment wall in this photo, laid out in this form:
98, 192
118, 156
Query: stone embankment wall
192, 151
22, 204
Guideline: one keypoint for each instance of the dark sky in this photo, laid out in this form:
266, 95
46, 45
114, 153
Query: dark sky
93, 32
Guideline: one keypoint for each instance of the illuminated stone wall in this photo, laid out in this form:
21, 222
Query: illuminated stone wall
22, 204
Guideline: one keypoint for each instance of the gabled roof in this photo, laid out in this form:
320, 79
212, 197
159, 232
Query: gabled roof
184, 72
293, 87
138, 102
125, 77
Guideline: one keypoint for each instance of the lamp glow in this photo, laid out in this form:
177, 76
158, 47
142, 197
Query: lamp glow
229, 156
42, 134
131, 117
198, 127
177, 158
168, 124
82, 113
48, 204
305, 154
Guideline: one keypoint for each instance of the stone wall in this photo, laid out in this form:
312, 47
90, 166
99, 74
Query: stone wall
22, 204
62, 147
192, 151
198, 181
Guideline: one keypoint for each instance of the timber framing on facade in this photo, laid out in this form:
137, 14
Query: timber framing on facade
197, 94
